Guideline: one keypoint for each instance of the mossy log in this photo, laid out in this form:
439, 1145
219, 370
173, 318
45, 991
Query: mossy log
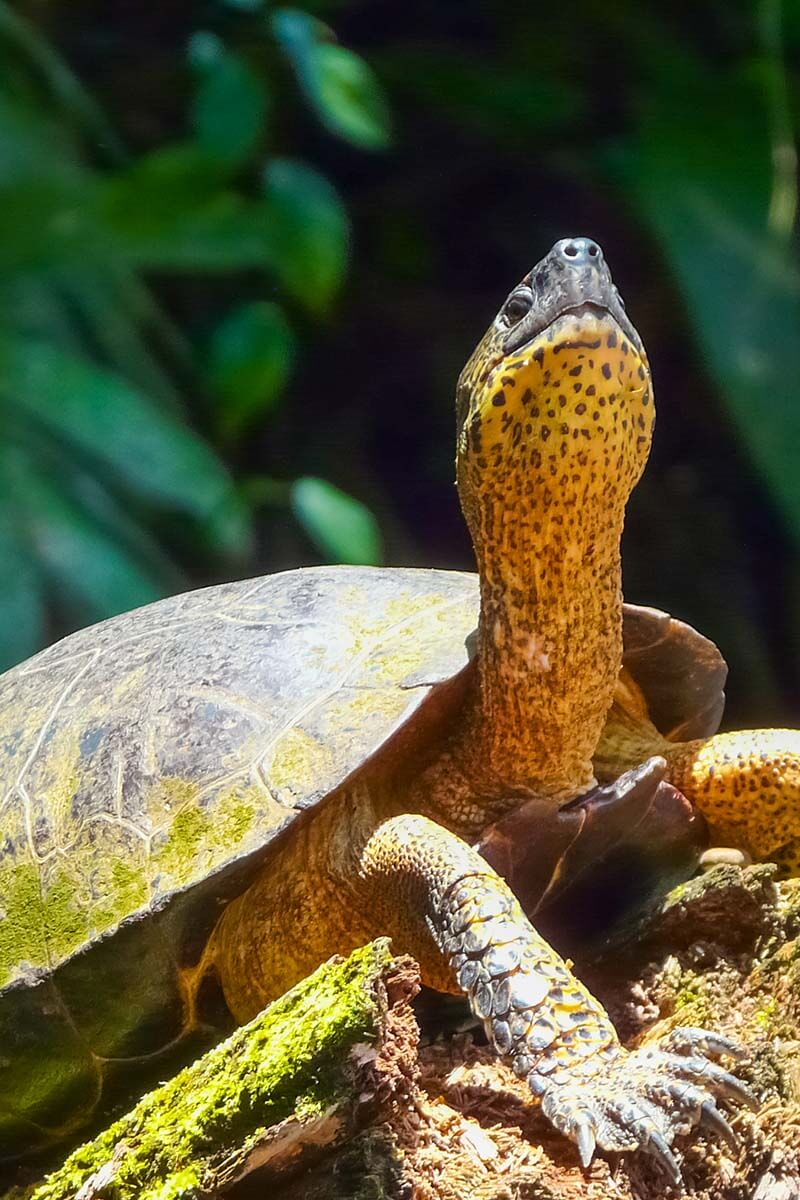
325, 1096
334, 1054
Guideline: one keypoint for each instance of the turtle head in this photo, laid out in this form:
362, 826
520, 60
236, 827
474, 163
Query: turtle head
558, 390
555, 415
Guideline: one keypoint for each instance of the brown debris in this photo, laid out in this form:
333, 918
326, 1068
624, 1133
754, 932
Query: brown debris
725, 954
447, 1121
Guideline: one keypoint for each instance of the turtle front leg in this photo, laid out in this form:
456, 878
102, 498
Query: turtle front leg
442, 903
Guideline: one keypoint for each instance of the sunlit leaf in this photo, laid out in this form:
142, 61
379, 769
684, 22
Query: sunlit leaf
310, 231
142, 447
342, 88
230, 101
349, 97
342, 528
250, 357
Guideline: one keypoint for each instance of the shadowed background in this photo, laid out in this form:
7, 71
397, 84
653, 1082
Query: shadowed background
245, 250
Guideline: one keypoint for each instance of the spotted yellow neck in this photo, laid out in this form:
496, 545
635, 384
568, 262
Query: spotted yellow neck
557, 437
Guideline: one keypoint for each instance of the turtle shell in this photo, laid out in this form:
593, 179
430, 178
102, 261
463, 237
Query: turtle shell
678, 673
151, 764
148, 765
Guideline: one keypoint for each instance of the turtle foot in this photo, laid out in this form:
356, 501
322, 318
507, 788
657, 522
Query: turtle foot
558, 1038
642, 1099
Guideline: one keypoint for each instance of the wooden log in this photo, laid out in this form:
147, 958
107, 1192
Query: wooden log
335, 1054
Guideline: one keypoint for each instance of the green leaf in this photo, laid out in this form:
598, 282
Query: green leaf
66, 89
99, 306
47, 198
230, 102
250, 358
709, 207
90, 572
502, 100
174, 211
342, 528
120, 522
139, 446
349, 97
341, 87
310, 231
21, 600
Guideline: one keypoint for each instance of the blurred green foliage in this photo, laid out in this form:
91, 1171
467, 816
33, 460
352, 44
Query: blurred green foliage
104, 485
198, 376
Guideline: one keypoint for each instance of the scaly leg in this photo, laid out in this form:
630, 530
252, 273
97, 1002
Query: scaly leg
442, 903
537, 1014
747, 786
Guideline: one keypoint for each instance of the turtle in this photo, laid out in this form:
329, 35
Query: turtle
205, 798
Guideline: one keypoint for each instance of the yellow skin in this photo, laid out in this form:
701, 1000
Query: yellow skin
555, 416
745, 783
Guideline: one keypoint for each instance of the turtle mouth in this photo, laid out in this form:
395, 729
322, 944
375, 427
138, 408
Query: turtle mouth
585, 310
563, 284
589, 308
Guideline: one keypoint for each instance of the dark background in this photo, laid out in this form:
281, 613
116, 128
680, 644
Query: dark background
245, 250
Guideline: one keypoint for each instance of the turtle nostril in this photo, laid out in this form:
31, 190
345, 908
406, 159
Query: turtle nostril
580, 252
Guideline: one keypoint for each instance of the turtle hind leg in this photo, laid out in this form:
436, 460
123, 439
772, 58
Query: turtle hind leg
747, 786
787, 859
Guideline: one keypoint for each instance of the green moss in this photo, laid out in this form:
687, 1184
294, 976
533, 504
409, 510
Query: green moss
289, 1059
688, 995
764, 1016
42, 917
59, 796
233, 819
64, 919
127, 891
196, 838
178, 853
22, 930
676, 895
297, 760
186, 1183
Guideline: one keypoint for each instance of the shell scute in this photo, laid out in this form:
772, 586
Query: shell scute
150, 752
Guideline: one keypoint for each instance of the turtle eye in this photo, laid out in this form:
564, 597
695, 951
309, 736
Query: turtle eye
517, 307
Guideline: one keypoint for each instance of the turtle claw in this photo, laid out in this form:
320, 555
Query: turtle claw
558, 1038
708, 1074
712, 1120
586, 1140
643, 1099
658, 1149
687, 1039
